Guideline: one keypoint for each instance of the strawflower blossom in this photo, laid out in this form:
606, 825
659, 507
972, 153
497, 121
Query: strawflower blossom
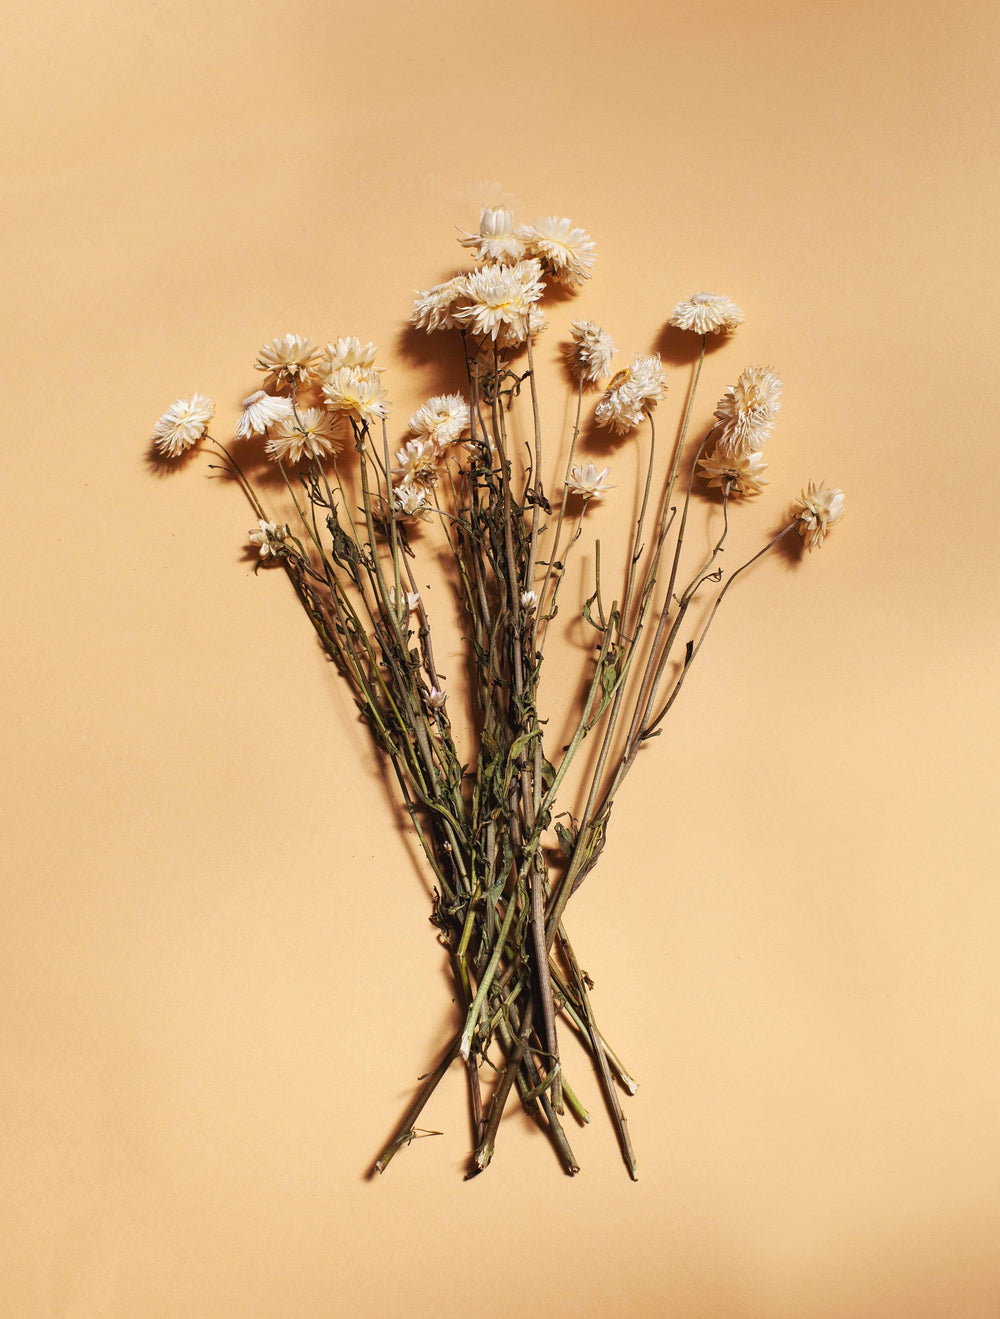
269, 536
356, 392
567, 253
588, 482
412, 599
444, 419
529, 600
735, 476
497, 239
631, 394
590, 353
706, 313
309, 434
409, 502
498, 296
747, 411
817, 510
434, 309
183, 425
417, 463
291, 360
260, 411
435, 698
349, 352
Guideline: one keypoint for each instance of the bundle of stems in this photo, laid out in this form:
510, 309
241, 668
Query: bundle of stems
505, 854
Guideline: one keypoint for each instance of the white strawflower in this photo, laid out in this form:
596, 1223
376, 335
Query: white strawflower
529, 600
568, 253
498, 296
269, 536
444, 419
631, 394
435, 698
356, 392
817, 510
288, 360
497, 239
261, 410
591, 351
588, 482
747, 410
434, 309
183, 424
310, 435
409, 501
706, 313
349, 352
736, 476
417, 463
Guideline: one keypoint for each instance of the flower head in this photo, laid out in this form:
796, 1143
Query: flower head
409, 502
261, 410
747, 411
349, 352
435, 699
355, 391
433, 309
567, 253
183, 424
501, 296
443, 419
417, 463
412, 599
288, 360
632, 393
270, 537
706, 313
590, 353
309, 434
588, 482
497, 239
734, 476
529, 601
817, 509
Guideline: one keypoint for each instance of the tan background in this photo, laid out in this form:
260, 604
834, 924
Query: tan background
217, 981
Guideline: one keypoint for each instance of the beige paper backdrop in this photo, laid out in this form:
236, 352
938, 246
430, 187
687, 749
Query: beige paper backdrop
218, 984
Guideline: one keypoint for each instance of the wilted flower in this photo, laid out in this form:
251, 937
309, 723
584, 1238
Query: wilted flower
288, 360
496, 240
568, 253
434, 309
817, 509
747, 410
735, 476
588, 482
409, 501
591, 351
497, 296
356, 392
444, 419
308, 434
706, 313
183, 424
261, 410
269, 536
417, 463
631, 394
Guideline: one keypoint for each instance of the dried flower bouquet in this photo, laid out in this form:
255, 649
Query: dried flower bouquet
505, 852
